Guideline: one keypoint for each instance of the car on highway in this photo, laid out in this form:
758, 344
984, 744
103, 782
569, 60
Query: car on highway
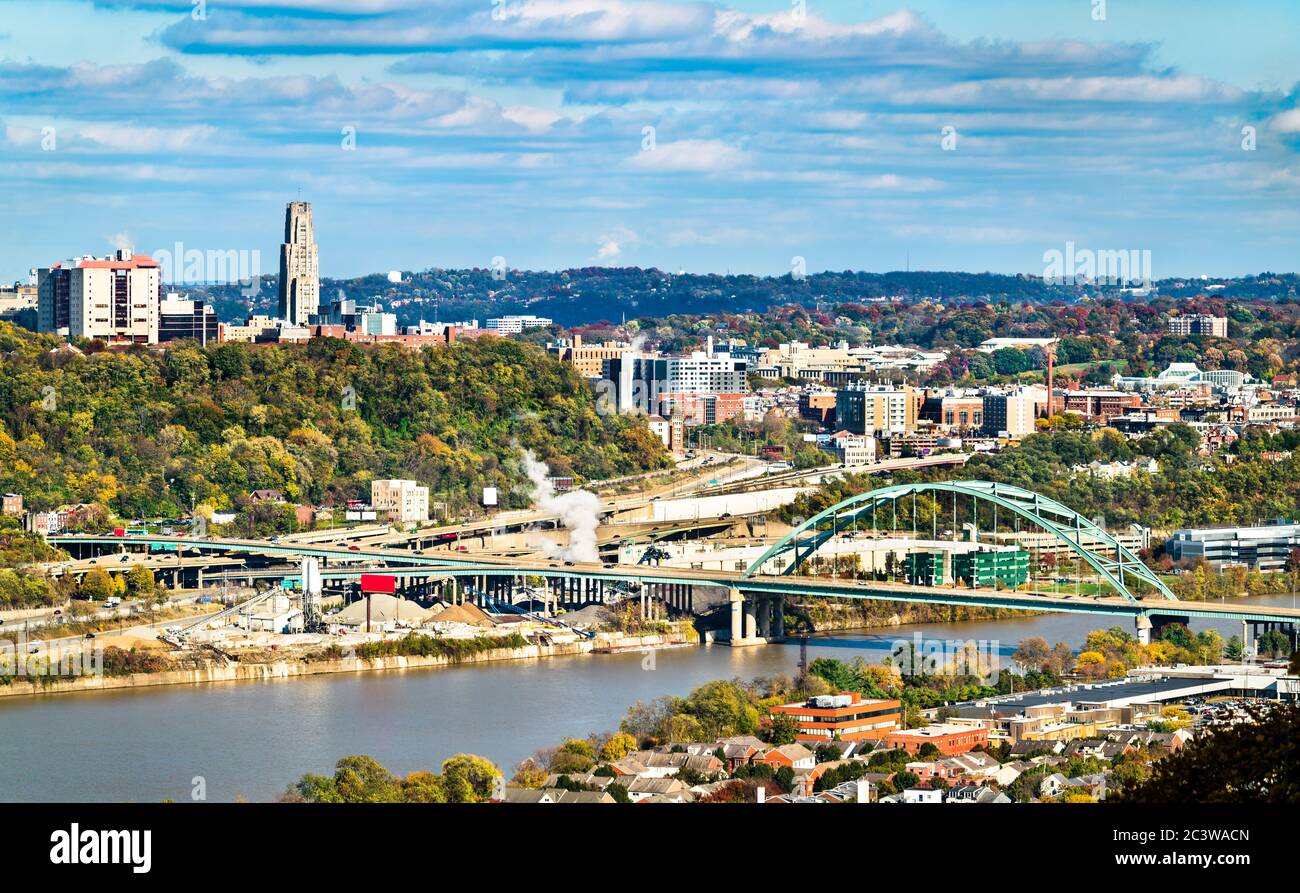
358, 548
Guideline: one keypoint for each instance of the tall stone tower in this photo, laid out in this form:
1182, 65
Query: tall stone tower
299, 267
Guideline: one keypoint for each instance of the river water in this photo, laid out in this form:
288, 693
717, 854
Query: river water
251, 739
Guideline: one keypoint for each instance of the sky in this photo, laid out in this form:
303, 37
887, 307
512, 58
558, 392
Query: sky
746, 136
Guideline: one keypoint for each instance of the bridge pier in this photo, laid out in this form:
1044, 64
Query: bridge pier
1151, 625
743, 631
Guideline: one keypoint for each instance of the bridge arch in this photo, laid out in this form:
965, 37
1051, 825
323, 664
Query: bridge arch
1066, 525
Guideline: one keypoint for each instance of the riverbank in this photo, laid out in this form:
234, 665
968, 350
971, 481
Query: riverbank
216, 670
834, 615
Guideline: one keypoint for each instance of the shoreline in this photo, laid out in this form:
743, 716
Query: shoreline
235, 671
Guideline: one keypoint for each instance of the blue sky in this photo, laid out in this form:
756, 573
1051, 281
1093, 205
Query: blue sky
710, 137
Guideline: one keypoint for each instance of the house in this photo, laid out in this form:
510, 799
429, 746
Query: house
921, 795
258, 496
528, 795
975, 765
1052, 785
641, 789
796, 756
554, 795
584, 797
976, 794
1056, 784
1025, 748
739, 750
587, 780
658, 764
1009, 772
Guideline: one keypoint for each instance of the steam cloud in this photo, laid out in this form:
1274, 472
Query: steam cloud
578, 511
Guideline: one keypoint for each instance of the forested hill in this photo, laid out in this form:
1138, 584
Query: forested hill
149, 431
592, 294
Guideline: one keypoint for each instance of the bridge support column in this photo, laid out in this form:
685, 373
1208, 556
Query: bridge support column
743, 631
778, 624
765, 618
737, 621
1143, 624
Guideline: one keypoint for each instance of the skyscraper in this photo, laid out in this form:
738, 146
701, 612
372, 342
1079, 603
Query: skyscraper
299, 269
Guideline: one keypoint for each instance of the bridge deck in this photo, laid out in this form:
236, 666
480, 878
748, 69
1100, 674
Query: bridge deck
403, 563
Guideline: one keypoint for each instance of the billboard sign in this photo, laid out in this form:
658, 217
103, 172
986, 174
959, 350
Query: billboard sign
379, 583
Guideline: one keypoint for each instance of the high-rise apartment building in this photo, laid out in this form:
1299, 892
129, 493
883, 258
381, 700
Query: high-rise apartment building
644, 383
113, 298
299, 266
877, 409
1011, 414
1199, 324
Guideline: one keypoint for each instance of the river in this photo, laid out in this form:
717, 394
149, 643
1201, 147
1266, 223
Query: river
251, 739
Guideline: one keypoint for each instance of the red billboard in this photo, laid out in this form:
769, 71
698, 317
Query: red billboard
378, 583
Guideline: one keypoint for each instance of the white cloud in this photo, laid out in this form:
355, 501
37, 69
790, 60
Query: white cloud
1286, 122
695, 156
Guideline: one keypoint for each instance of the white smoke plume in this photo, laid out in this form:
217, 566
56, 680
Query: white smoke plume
578, 511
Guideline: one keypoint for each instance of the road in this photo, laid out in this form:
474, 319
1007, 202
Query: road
460, 563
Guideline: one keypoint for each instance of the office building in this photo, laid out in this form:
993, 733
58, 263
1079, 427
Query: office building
114, 299
954, 410
513, 325
949, 738
1265, 548
18, 305
1100, 404
400, 501
299, 266
1199, 324
846, 716
353, 317
588, 359
180, 318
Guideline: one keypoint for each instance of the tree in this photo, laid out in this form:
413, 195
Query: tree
96, 585
139, 581
618, 746
469, 778
827, 753
361, 779
784, 777
423, 787
529, 775
1253, 762
1033, 653
783, 730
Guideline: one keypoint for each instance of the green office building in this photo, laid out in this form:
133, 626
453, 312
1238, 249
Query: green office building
924, 568
990, 569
